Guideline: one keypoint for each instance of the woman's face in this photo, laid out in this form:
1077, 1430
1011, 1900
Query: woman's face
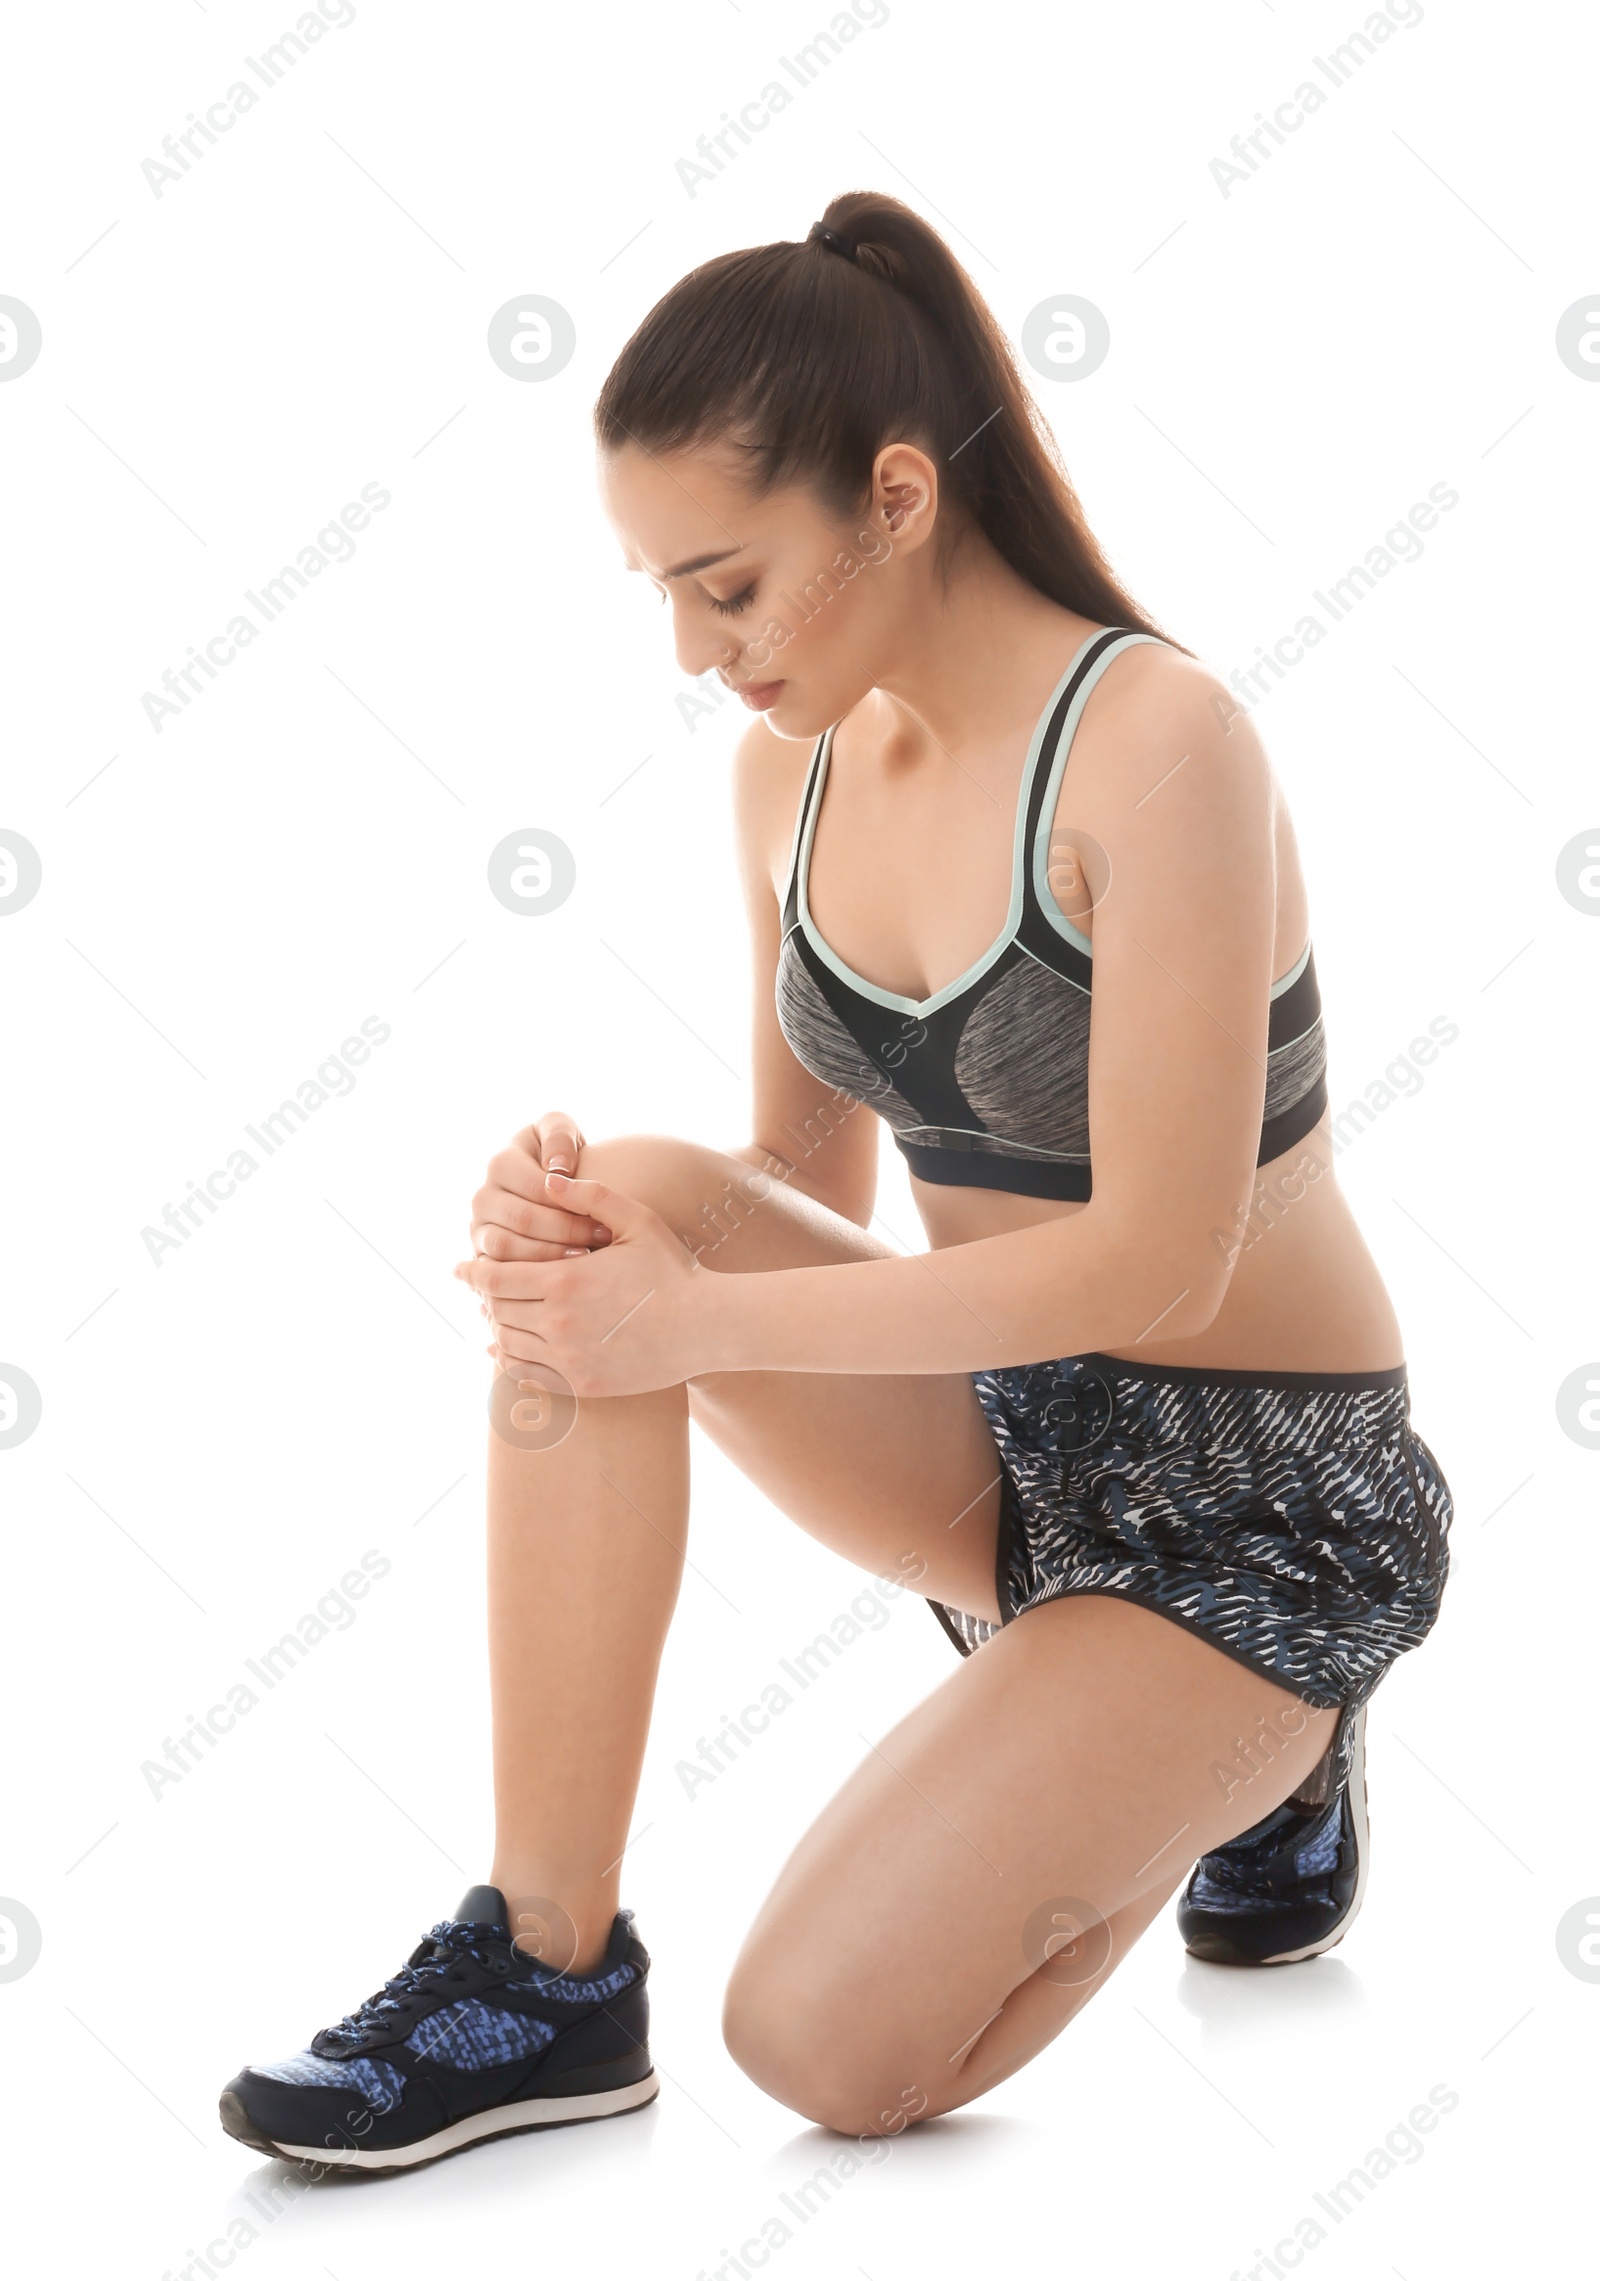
794, 609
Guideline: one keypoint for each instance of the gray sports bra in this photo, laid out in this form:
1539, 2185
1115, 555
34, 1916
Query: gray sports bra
986, 1083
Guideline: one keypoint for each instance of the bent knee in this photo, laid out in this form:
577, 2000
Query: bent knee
792, 2046
700, 1192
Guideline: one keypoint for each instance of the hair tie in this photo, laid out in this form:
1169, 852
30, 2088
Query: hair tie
834, 240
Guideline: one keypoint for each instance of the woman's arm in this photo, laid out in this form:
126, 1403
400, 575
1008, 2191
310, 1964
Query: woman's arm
805, 1134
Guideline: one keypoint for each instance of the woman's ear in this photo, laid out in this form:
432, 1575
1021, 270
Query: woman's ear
905, 493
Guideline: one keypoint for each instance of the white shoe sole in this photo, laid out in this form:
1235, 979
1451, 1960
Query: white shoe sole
497, 2122
1358, 1816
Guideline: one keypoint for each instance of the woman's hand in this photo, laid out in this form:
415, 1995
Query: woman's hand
513, 1214
624, 1318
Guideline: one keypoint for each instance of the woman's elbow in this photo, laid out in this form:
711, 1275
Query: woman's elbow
1169, 1283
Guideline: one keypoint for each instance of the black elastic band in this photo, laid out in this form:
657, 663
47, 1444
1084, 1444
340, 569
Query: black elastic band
820, 234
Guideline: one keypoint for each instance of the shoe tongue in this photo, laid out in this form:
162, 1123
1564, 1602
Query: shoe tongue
484, 1905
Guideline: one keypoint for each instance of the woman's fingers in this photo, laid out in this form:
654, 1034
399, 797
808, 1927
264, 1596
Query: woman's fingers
514, 1222
515, 1201
512, 1215
518, 1168
501, 1281
553, 1140
499, 1243
514, 1346
559, 1140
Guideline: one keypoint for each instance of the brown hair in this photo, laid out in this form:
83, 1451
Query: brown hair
812, 356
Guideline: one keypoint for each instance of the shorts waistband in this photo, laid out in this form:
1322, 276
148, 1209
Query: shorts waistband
1302, 1381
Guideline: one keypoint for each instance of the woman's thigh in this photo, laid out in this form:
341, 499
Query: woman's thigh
899, 1474
989, 1862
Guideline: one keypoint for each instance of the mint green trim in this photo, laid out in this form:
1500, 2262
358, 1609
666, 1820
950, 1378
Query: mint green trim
892, 998
800, 815
1052, 792
1067, 981
1287, 981
806, 825
1055, 1155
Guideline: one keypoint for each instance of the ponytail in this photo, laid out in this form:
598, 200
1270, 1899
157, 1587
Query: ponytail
809, 357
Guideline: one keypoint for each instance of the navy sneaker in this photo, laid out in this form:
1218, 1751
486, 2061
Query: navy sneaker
1289, 1888
471, 2040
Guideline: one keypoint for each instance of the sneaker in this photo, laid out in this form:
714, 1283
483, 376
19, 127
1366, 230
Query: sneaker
470, 2040
1289, 1888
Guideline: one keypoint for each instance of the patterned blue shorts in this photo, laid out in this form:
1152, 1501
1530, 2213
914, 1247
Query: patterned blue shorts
1295, 1520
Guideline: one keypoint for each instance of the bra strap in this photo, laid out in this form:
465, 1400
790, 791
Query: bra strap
791, 892
1044, 793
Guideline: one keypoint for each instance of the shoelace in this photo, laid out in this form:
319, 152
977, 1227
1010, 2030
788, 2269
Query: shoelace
452, 1940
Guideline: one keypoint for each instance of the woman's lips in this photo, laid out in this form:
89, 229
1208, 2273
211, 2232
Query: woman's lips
760, 696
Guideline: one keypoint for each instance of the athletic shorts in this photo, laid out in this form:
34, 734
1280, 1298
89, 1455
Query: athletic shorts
1294, 1519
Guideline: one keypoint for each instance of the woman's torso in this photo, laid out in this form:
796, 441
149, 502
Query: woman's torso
908, 880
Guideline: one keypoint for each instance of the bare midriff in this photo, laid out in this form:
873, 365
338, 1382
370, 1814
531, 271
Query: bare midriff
1304, 1293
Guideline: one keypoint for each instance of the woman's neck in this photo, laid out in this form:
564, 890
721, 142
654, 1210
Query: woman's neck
981, 651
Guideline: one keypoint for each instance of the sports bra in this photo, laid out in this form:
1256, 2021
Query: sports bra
986, 1083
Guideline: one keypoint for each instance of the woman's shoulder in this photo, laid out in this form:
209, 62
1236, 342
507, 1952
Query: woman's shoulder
1159, 681
1156, 710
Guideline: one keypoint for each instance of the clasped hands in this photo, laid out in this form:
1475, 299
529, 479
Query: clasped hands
582, 1284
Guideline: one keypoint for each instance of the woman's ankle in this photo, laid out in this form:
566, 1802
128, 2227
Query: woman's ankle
553, 1922
1317, 1788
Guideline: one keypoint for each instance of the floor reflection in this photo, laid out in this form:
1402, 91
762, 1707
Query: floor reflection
1233, 2002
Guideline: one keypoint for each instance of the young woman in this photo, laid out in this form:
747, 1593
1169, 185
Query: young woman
1142, 1439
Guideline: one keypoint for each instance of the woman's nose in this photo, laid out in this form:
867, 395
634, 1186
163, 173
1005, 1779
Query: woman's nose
701, 648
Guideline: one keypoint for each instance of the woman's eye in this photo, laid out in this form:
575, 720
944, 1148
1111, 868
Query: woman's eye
735, 602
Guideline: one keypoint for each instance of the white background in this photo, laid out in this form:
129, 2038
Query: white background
224, 366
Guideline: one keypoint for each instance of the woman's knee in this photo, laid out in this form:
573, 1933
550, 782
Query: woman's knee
785, 2039
703, 1195
679, 1179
